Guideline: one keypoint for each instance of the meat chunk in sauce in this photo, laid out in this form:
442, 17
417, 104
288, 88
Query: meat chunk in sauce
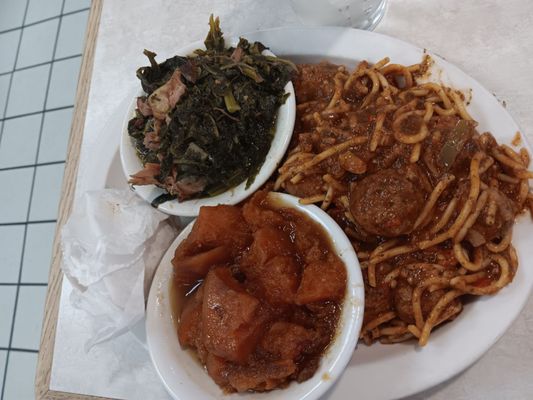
412, 275
315, 81
308, 186
386, 203
379, 299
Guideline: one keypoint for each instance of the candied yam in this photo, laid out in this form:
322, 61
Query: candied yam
268, 242
221, 225
261, 377
308, 370
232, 319
257, 216
277, 280
308, 243
287, 341
322, 281
189, 269
189, 328
216, 226
217, 368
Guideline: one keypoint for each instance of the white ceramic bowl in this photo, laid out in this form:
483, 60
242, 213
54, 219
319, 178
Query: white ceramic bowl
186, 379
189, 208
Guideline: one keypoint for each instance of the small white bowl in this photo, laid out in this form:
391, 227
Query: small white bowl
185, 378
190, 208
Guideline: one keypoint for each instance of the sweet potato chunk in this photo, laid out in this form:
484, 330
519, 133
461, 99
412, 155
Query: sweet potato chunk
322, 281
216, 226
277, 280
287, 340
261, 377
189, 328
268, 243
192, 268
221, 225
308, 244
257, 216
217, 368
232, 319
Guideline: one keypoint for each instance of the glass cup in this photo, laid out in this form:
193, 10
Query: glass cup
362, 14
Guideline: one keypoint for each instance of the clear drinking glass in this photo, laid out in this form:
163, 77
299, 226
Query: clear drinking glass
362, 14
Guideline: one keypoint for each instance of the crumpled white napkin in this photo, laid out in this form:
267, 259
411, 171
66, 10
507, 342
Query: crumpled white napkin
112, 244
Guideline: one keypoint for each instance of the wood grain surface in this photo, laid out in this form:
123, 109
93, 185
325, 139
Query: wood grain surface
46, 351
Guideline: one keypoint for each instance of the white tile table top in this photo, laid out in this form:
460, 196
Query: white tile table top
37, 43
38, 252
71, 34
28, 90
63, 83
7, 299
46, 192
54, 138
12, 14
11, 236
39, 10
8, 49
489, 39
15, 200
30, 309
19, 384
19, 141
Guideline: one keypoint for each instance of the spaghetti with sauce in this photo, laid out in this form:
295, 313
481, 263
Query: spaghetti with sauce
428, 202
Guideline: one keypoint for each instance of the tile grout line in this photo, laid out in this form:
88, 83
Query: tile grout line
9, 85
19, 350
45, 20
22, 284
42, 221
31, 189
43, 164
36, 112
40, 64
25, 229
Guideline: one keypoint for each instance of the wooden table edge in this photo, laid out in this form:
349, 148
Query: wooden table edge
51, 310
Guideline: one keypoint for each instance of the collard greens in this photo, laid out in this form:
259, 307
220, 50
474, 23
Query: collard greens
206, 122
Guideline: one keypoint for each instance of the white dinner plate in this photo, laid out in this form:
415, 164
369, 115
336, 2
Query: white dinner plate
384, 372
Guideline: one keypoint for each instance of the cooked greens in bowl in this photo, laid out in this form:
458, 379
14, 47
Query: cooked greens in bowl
206, 122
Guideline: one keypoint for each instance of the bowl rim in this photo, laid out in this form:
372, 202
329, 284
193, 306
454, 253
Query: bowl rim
283, 130
333, 361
